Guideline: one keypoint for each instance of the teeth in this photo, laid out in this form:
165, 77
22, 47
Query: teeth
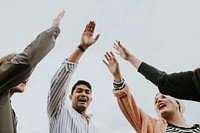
161, 105
82, 100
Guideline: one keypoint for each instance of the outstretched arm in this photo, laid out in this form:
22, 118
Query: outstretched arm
87, 40
22, 65
126, 55
182, 85
60, 81
113, 66
125, 99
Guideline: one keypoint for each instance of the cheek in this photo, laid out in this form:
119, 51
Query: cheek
156, 109
89, 98
177, 107
74, 98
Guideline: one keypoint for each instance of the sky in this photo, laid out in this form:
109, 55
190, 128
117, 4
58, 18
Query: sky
163, 33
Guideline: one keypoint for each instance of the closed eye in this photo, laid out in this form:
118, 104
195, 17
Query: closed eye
88, 92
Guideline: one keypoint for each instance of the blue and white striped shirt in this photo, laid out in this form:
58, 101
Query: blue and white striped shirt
62, 117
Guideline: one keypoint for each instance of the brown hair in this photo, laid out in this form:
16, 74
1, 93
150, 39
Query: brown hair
7, 58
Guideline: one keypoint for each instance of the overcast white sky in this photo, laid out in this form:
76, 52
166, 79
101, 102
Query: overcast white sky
164, 33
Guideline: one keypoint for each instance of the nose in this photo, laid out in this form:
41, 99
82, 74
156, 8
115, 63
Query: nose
83, 94
159, 100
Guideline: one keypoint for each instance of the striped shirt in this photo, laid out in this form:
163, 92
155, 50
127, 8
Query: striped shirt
175, 129
62, 117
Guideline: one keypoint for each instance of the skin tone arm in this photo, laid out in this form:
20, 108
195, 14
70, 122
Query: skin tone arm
87, 40
112, 65
126, 55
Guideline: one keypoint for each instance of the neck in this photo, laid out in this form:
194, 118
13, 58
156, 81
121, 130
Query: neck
177, 120
83, 113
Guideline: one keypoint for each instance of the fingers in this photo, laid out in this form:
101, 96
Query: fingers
60, 16
56, 21
110, 56
116, 46
90, 27
87, 36
97, 37
107, 56
86, 28
105, 62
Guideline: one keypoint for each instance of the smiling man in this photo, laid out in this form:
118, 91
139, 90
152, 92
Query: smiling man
81, 97
63, 118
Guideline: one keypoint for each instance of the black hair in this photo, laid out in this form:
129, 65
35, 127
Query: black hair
81, 82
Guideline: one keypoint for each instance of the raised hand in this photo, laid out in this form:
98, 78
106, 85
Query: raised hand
122, 51
126, 55
112, 65
87, 37
56, 21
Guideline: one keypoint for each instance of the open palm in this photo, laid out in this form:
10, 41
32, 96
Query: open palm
87, 37
111, 63
122, 51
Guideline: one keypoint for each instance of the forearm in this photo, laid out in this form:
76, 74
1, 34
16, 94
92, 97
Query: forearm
136, 62
75, 56
129, 108
41, 46
117, 77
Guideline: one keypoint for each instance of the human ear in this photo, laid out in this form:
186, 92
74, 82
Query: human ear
70, 97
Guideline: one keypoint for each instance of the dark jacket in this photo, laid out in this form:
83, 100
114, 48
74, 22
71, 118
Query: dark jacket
182, 85
17, 70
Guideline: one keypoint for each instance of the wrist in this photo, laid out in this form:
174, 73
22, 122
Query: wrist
81, 48
119, 84
117, 77
130, 58
84, 45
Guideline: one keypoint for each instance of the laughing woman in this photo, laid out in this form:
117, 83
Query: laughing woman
169, 109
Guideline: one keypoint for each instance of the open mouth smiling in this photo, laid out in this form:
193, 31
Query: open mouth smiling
82, 100
161, 106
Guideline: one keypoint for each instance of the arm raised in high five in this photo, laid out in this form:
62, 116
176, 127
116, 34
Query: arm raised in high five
126, 55
87, 40
113, 66
182, 85
56, 21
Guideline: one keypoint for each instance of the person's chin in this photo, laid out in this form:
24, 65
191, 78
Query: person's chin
164, 114
82, 107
